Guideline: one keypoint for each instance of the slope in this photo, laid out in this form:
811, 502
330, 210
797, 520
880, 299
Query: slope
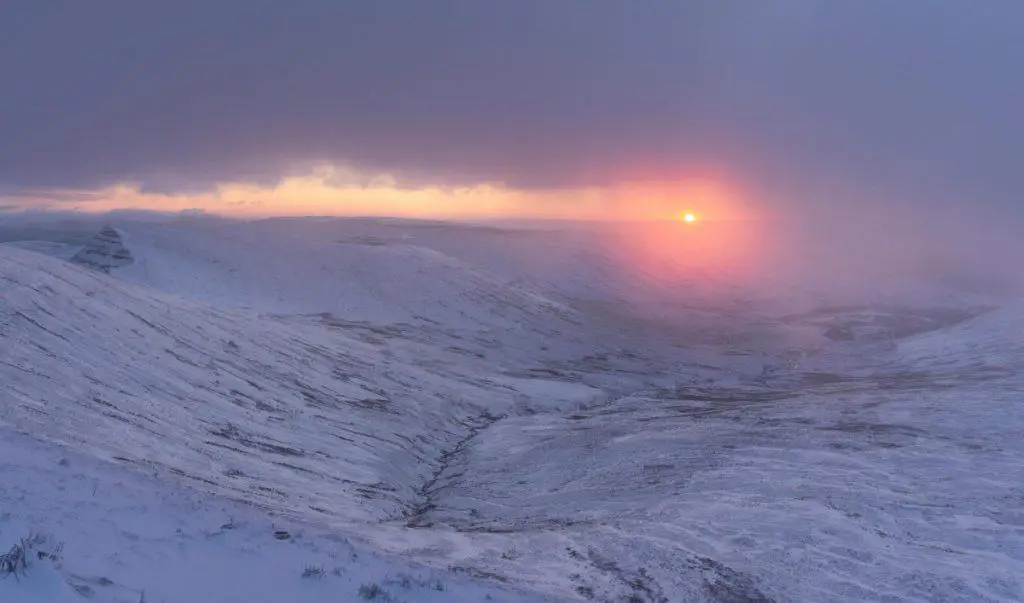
884, 476
716, 485
122, 537
275, 412
275, 269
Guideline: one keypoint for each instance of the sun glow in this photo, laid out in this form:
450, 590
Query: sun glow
330, 190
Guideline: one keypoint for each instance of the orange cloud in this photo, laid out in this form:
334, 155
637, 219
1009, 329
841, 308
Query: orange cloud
333, 191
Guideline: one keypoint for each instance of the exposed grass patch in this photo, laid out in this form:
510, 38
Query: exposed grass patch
373, 592
21, 555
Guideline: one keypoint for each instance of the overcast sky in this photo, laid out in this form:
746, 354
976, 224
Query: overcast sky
914, 101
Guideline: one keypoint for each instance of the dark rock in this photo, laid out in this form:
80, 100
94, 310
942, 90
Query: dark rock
837, 333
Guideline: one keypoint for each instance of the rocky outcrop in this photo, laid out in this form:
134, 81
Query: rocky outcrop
105, 251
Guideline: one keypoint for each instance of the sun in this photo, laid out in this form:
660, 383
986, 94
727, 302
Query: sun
689, 218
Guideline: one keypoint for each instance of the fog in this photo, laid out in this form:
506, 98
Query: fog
863, 147
785, 264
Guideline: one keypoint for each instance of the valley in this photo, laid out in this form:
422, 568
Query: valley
522, 409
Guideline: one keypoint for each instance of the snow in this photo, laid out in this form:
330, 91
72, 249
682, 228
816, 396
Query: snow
357, 277
991, 337
498, 410
147, 373
127, 535
849, 495
54, 249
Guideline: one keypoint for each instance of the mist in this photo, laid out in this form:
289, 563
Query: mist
785, 264
862, 146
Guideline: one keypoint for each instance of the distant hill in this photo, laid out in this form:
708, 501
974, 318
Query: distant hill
105, 251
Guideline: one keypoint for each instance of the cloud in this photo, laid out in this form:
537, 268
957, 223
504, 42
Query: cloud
327, 190
813, 102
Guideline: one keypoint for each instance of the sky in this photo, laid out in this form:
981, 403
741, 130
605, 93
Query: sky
567, 108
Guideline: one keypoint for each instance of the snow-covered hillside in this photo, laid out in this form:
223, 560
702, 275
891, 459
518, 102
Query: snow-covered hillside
126, 536
275, 269
991, 340
499, 405
900, 485
271, 411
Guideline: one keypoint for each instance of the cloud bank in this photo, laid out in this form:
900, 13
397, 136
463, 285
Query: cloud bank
811, 103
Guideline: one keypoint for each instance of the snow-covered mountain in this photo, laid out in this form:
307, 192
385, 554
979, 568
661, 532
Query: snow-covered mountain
502, 406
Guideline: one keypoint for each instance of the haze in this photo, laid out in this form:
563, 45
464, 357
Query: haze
891, 126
